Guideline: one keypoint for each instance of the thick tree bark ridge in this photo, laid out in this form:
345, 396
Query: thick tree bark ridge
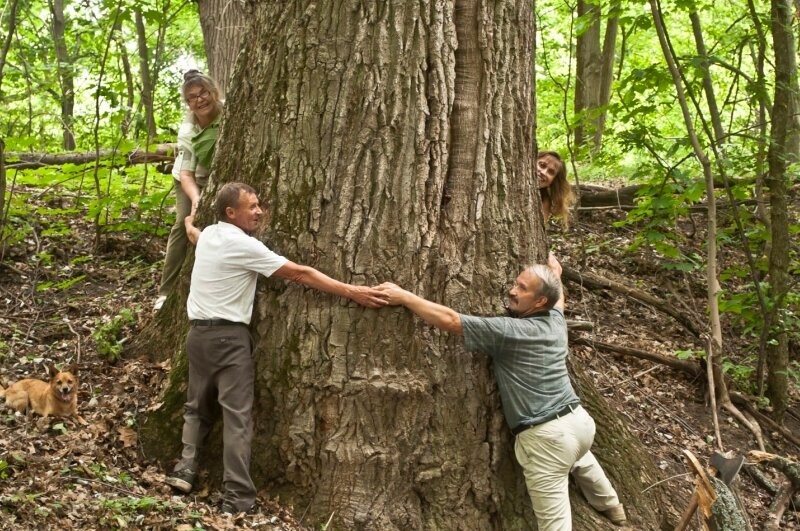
393, 141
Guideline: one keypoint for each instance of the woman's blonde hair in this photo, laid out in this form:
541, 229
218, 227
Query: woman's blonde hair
559, 194
195, 78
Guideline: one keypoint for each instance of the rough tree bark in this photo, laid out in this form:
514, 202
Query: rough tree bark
394, 141
225, 26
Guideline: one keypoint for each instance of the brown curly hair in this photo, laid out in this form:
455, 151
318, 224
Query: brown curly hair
559, 194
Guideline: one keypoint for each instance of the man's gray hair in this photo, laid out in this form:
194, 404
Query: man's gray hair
550, 287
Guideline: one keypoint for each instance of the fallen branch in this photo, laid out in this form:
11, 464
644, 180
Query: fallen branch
759, 478
592, 196
689, 367
749, 423
22, 160
778, 507
791, 470
592, 281
749, 405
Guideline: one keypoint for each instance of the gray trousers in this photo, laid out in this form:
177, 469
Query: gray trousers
221, 367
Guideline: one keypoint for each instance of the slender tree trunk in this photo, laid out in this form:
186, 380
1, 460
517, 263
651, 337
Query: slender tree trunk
225, 25
594, 72
762, 213
606, 73
12, 27
65, 73
394, 141
714, 343
783, 150
2, 188
130, 92
587, 70
144, 73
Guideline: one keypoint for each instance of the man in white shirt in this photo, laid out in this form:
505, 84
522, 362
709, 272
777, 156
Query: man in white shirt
227, 264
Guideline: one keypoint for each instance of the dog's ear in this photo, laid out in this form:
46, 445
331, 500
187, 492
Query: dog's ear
74, 369
51, 370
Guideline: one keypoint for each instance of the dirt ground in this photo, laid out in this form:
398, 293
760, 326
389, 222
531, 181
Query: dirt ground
54, 290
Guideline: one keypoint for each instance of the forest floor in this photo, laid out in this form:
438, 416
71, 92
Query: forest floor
55, 290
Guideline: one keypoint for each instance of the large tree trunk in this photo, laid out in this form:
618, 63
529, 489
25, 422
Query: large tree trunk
393, 141
225, 25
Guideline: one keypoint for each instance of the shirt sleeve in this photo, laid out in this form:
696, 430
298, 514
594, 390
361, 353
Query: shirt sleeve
185, 153
260, 258
188, 160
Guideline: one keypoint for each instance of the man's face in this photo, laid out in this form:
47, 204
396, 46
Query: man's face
247, 213
522, 297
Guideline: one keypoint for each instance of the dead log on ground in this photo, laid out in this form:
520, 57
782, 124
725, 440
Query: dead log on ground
592, 196
592, 281
691, 368
791, 470
20, 160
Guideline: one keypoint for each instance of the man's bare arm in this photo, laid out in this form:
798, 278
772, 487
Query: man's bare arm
554, 264
432, 313
308, 276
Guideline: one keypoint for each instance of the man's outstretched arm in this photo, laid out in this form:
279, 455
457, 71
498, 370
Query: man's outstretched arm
437, 315
308, 276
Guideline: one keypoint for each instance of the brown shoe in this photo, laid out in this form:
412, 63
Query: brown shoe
616, 515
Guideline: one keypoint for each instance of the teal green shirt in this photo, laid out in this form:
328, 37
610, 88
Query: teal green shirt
529, 355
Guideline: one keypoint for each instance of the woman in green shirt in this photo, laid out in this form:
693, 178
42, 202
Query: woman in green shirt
197, 138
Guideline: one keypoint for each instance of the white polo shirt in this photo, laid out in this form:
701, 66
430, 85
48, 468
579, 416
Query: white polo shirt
226, 267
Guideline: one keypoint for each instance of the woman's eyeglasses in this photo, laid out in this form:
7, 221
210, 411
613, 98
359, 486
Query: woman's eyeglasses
191, 98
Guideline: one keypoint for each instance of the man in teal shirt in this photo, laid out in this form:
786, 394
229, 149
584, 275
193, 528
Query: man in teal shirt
529, 350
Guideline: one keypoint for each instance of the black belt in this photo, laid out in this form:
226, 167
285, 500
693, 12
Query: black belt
214, 322
566, 410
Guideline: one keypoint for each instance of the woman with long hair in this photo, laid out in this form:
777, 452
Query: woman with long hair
556, 192
197, 138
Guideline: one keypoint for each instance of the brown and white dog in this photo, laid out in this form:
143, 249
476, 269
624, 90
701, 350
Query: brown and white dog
58, 397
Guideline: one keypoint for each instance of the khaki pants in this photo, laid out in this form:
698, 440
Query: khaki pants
221, 367
548, 453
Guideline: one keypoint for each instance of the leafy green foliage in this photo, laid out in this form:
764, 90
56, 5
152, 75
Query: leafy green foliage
98, 54
646, 142
690, 354
108, 335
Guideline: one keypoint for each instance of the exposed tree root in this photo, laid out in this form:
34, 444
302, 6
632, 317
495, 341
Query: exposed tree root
791, 470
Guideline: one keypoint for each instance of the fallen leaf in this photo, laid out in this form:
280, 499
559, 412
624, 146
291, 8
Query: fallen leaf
127, 436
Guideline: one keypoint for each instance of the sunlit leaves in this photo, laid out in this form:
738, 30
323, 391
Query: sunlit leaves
31, 91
